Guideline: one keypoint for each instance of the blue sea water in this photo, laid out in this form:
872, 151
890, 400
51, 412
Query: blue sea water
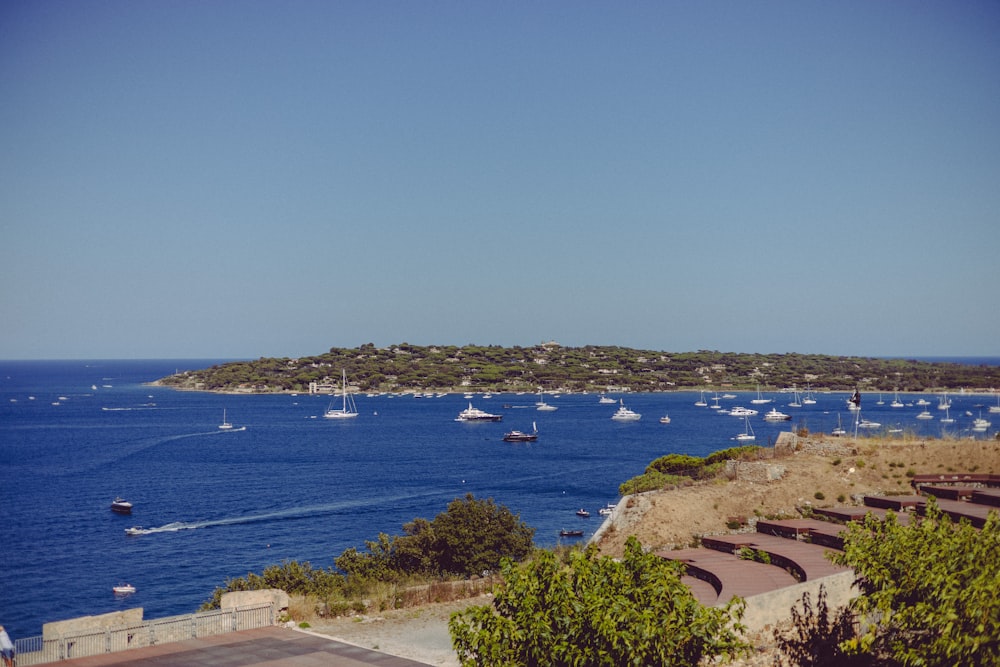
295, 486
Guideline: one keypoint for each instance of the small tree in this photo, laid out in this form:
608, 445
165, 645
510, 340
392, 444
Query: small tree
586, 610
929, 589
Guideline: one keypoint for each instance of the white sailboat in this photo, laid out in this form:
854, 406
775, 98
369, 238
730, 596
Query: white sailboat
701, 401
747, 435
760, 400
225, 426
839, 431
348, 409
995, 408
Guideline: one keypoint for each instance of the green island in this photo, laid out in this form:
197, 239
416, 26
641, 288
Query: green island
550, 366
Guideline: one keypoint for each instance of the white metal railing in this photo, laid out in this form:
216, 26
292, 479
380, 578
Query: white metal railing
38, 650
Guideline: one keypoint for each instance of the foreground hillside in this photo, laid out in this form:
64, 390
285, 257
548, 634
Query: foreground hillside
553, 367
674, 517
822, 472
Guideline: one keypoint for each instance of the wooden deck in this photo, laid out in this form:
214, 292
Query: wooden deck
807, 561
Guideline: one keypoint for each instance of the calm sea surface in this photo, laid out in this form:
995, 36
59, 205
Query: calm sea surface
295, 486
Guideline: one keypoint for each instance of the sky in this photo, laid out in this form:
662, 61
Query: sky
244, 179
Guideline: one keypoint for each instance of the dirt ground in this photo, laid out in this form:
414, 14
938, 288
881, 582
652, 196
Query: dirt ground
817, 471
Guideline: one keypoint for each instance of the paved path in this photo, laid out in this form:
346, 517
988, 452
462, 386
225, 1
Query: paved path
273, 647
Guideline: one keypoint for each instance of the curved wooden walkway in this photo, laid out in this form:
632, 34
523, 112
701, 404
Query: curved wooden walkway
729, 575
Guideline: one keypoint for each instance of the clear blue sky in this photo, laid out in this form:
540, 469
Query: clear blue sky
245, 179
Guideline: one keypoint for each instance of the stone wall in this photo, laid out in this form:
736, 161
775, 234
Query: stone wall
85, 624
274, 596
754, 471
764, 610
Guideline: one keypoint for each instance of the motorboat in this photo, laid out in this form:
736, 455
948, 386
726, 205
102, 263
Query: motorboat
605, 511
864, 423
348, 409
740, 411
121, 506
665, 419
134, 530
606, 400
926, 414
583, 513
570, 533
542, 405
520, 436
775, 416
123, 589
472, 414
623, 414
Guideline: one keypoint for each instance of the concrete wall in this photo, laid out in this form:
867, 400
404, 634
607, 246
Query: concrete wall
765, 610
84, 624
274, 596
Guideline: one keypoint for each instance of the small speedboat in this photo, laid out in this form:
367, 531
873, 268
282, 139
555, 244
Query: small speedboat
665, 419
123, 589
571, 533
134, 530
582, 512
121, 506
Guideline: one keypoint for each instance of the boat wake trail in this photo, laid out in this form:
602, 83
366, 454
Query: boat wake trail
278, 515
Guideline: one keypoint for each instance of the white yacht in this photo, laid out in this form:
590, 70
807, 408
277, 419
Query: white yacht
472, 414
775, 416
740, 411
606, 400
348, 409
542, 406
624, 414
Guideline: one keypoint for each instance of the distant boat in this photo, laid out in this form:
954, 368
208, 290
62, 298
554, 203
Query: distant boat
996, 408
947, 419
944, 403
542, 405
121, 506
740, 411
926, 414
570, 533
864, 423
760, 400
583, 513
225, 426
519, 436
775, 416
839, 431
896, 403
348, 409
665, 419
123, 589
624, 414
134, 530
796, 403
747, 435
472, 414
606, 400
701, 401
979, 425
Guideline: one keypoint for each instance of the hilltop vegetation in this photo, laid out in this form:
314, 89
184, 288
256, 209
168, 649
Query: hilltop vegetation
406, 367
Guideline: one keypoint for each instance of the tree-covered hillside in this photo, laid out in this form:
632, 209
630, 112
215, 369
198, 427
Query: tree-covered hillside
550, 366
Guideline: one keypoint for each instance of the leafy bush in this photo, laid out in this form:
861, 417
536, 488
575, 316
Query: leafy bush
928, 589
585, 610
